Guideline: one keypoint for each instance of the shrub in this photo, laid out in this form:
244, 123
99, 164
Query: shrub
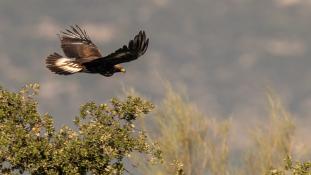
104, 137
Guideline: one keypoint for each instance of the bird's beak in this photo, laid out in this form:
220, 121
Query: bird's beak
123, 70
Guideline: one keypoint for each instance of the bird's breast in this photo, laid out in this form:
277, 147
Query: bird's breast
98, 68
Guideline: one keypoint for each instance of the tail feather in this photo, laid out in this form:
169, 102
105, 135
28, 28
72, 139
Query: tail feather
63, 66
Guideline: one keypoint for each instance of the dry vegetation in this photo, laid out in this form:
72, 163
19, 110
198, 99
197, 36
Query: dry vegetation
196, 144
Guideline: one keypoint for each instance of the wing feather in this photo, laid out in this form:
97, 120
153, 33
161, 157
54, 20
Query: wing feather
77, 44
135, 48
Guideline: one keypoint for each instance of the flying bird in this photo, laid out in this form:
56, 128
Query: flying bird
82, 55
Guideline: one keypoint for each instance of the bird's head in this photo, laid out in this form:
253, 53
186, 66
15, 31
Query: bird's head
119, 68
116, 68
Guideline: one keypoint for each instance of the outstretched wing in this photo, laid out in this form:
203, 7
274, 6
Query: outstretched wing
135, 49
77, 44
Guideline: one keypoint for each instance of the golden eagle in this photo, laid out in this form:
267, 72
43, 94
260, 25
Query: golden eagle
82, 55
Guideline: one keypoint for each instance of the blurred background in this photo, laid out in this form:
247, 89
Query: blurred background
222, 54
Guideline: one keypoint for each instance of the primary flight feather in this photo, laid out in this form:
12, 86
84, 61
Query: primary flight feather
82, 55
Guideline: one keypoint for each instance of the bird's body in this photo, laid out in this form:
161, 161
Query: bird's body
82, 55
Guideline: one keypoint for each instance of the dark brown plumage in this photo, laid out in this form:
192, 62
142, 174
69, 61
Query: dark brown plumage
84, 56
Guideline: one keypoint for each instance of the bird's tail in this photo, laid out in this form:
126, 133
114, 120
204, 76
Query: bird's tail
63, 66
